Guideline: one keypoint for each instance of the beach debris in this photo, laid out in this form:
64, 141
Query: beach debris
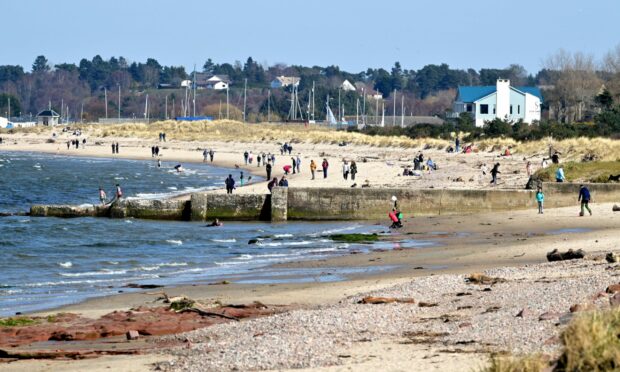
611, 257
549, 315
222, 282
614, 300
142, 286
478, 278
427, 304
613, 288
556, 255
581, 307
252, 241
182, 304
615, 208
132, 335
525, 313
385, 300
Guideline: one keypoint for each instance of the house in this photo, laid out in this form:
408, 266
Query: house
502, 101
347, 86
48, 118
285, 81
218, 82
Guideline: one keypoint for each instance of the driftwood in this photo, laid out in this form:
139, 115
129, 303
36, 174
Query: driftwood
478, 278
385, 300
208, 313
556, 255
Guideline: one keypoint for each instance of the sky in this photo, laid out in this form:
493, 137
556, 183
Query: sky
354, 35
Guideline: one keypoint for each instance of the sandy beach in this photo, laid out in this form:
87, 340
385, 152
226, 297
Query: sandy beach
330, 331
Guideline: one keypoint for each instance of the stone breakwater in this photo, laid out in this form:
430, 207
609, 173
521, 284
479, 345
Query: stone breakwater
332, 203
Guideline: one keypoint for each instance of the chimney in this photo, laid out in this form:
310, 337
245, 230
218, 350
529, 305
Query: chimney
502, 107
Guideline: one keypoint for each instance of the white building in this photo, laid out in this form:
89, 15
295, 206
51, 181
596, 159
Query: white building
503, 101
48, 118
285, 81
347, 86
218, 82
4, 122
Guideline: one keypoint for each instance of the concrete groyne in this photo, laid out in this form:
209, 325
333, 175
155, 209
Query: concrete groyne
332, 203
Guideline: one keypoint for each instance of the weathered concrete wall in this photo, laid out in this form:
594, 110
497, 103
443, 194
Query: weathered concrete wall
356, 204
236, 207
562, 194
334, 203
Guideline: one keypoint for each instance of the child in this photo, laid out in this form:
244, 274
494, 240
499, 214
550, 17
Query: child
540, 198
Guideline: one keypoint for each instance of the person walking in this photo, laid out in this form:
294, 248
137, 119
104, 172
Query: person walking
102, 196
528, 168
156, 150
273, 159
559, 175
353, 170
211, 153
494, 172
205, 155
113, 147
230, 184
584, 197
540, 198
258, 159
152, 151
268, 170
117, 147
312, 167
298, 163
345, 170
325, 165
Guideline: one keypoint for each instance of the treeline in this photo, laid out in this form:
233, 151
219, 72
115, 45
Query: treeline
576, 88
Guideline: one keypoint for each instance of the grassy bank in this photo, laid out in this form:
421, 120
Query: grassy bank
590, 343
598, 171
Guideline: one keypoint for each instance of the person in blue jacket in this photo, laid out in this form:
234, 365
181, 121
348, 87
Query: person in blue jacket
584, 197
540, 198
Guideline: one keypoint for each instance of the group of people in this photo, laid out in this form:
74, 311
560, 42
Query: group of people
76, 143
286, 148
162, 137
103, 197
584, 199
114, 148
207, 154
274, 182
154, 151
349, 169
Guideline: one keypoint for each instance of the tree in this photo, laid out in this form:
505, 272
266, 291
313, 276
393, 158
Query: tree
208, 67
11, 73
16, 108
40, 65
397, 77
605, 99
69, 67
383, 82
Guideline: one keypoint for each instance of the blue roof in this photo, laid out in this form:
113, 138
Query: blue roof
472, 94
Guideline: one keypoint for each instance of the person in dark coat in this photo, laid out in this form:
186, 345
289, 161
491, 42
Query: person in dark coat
268, 170
494, 173
230, 184
584, 198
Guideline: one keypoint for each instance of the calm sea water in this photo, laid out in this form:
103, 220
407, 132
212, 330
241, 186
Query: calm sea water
49, 262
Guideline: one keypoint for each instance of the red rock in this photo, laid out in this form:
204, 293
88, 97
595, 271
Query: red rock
613, 288
132, 335
525, 313
465, 325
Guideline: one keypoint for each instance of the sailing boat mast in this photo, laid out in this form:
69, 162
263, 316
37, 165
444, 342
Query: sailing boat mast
194, 100
313, 105
245, 96
269, 106
146, 108
394, 111
402, 110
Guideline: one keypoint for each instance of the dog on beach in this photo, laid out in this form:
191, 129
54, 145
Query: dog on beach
615, 178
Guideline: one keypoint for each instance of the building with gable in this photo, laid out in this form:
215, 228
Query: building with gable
285, 81
503, 101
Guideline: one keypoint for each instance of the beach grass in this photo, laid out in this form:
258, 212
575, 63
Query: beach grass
16, 322
508, 363
596, 171
355, 238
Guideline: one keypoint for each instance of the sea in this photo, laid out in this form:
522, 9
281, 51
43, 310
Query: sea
49, 262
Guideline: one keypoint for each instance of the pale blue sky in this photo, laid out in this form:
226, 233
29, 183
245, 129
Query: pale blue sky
352, 34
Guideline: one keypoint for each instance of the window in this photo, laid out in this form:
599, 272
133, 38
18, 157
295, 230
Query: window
518, 109
510, 109
493, 109
469, 107
484, 109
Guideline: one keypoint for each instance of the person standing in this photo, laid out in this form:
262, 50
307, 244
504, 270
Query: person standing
283, 182
113, 147
325, 165
211, 153
102, 196
540, 198
312, 167
119, 192
528, 168
268, 170
559, 175
205, 155
241, 179
246, 156
457, 144
353, 170
345, 170
494, 172
152, 151
298, 163
156, 150
230, 184
294, 165
258, 159
273, 159
584, 197
117, 147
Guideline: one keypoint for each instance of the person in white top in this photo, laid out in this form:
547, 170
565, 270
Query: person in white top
345, 170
